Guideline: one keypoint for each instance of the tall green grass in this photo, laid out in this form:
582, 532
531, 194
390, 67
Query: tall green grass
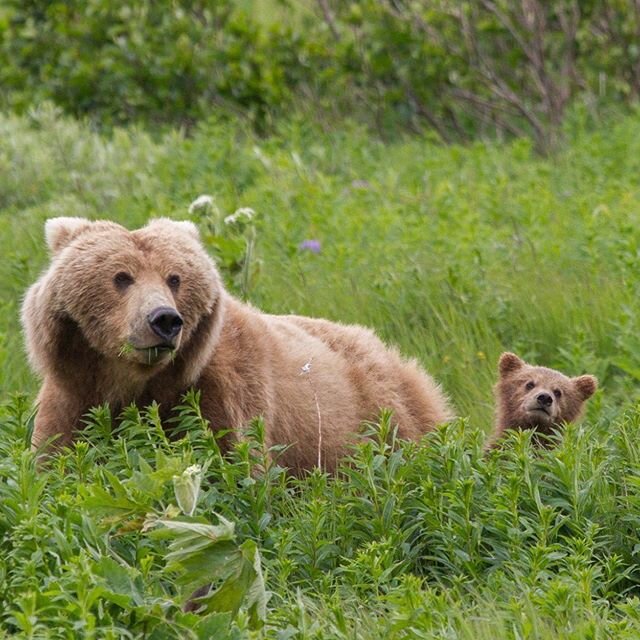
453, 254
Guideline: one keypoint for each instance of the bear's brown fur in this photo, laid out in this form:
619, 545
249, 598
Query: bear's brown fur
537, 398
124, 316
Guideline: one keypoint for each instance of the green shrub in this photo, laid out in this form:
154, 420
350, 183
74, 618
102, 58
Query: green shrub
153, 61
409, 538
465, 69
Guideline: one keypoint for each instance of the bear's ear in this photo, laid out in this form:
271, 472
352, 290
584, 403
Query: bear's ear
182, 225
59, 232
586, 385
508, 363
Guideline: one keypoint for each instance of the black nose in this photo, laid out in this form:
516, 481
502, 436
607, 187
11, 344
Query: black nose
544, 399
165, 322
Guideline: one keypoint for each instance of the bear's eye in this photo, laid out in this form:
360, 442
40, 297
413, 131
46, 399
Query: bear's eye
557, 393
529, 385
173, 281
122, 280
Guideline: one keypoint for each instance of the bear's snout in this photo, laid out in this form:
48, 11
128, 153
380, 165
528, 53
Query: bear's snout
540, 406
165, 322
544, 399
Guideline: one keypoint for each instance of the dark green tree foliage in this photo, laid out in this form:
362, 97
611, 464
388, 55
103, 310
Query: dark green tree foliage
490, 66
459, 68
161, 61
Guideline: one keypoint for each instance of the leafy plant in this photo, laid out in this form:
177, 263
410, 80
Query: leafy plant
452, 254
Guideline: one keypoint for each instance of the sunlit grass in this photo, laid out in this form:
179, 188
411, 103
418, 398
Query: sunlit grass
454, 254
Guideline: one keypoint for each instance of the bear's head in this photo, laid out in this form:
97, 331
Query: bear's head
532, 397
140, 300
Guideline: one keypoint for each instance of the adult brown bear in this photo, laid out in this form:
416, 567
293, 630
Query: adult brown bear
122, 316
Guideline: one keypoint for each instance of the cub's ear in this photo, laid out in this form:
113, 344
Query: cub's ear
508, 363
59, 232
182, 225
586, 385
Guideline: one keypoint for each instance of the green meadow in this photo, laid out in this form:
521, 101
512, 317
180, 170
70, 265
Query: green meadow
452, 253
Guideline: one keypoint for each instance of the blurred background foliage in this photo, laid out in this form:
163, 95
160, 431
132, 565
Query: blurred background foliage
457, 69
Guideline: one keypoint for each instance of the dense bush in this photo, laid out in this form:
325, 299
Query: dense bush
480, 66
460, 69
161, 61
410, 540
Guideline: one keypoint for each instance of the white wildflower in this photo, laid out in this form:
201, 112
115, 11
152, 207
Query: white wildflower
202, 202
186, 487
243, 212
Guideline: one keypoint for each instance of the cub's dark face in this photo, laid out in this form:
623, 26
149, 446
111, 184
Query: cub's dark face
539, 398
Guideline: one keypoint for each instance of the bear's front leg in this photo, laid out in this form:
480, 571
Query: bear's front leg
58, 416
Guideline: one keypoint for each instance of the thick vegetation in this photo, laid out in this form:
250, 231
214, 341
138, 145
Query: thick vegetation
453, 254
428, 540
459, 69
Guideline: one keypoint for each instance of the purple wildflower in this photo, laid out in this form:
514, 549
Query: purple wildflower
310, 245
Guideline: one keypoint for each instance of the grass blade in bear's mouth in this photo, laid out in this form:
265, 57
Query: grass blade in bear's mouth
158, 348
154, 352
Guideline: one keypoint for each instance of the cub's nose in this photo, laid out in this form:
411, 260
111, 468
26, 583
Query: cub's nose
544, 399
165, 322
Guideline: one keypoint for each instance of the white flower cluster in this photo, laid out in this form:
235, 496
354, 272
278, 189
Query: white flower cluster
242, 214
202, 202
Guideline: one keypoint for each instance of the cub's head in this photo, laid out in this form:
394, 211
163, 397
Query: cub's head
135, 298
539, 398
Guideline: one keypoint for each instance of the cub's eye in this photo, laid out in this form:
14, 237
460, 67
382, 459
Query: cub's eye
557, 393
173, 281
122, 280
529, 385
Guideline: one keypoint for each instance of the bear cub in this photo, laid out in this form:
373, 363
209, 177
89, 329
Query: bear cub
537, 398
